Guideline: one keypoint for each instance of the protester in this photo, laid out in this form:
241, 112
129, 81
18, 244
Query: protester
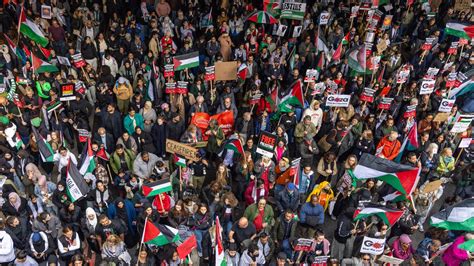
197, 132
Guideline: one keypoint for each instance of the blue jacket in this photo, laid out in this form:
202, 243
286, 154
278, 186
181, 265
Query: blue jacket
285, 201
131, 215
312, 215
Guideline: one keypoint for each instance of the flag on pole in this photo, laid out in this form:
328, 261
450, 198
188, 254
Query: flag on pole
185, 61
17, 51
410, 142
460, 29
458, 217
219, 248
186, 247
156, 188
338, 53
235, 145
357, 58
403, 178
41, 66
76, 186
272, 98
295, 171
159, 235
179, 161
87, 163
31, 30
389, 216
45, 150
103, 154
296, 97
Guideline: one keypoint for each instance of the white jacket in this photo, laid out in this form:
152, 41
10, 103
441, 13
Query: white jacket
7, 251
316, 116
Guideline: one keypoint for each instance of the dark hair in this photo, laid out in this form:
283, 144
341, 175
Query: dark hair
21, 254
118, 146
102, 217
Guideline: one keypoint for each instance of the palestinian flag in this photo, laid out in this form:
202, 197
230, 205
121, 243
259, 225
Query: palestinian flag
468, 245
387, 215
21, 80
45, 150
17, 51
235, 145
159, 235
103, 154
46, 53
295, 171
219, 248
186, 247
377, 3
466, 85
338, 53
186, 61
460, 29
156, 188
31, 30
76, 186
458, 217
295, 98
357, 58
321, 62
272, 98
87, 160
410, 143
54, 106
403, 178
242, 72
41, 66
179, 161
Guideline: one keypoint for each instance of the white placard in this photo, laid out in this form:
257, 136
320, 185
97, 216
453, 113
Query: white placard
324, 18
427, 86
461, 125
465, 142
373, 246
446, 105
336, 100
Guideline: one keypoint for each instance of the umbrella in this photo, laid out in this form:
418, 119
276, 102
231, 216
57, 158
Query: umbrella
459, 216
262, 17
468, 245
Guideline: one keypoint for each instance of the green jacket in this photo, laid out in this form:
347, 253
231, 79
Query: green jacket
115, 160
301, 128
252, 211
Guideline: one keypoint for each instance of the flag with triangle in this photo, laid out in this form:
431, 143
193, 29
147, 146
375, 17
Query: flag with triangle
76, 186
219, 248
41, 66
31, 30
87, 162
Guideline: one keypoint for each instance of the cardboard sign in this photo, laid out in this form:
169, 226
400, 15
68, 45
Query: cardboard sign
80, 87
78, 61
291, 9
463, 41
311, 75
67, 92
385, 103
465, 142
304, 244
367, 95
336, 100
318, 88
324, 18
427, 87
391, 260
374, 246
365, 5
226, 70
266, 144
320, 260
462, 124
184, 150
169, 71
446, 105
463, 5
46, 12
441, 117
410, 112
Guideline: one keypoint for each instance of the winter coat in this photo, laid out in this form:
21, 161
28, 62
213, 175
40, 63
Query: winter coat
7, 251
312, 215
251, 212
128, 123
285, 200
280, 226
143, 169
131, 215
115, 160
454, 256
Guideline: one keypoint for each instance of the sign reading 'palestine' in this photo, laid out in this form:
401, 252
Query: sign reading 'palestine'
293, 10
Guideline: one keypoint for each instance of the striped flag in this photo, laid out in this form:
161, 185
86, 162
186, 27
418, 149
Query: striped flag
156, 188
179, 161
185, 61
389, 216
219, 248
295, 171
31, 30
459, 216
45, 150
76, 186
235, 145
87, 159
410, 142
159, 235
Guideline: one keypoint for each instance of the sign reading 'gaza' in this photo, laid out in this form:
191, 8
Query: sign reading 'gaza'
338, 100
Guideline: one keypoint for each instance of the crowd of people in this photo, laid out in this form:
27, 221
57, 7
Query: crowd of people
243, 205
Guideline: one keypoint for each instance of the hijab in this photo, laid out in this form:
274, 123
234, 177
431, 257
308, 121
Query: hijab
93, 222
121, 212
18, 200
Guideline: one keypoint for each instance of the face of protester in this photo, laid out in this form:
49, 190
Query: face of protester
120, 205
203, 210
261, 204
227, 103
69, 234
100, 186
412, 159
104, 221
145, 157
366, 260
393, 136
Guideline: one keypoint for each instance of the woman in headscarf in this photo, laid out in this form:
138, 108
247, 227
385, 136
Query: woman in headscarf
60, 197
15, 206
149, 116
124, 211
100, 196
88, 225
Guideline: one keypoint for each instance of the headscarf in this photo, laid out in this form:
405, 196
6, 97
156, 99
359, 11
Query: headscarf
92, 222
121, 212
18, 200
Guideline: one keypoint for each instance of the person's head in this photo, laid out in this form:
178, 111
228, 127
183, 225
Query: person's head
113, 240
12, 221
411, 157
100, 185
203, 208
314, 199
253, 250
78, 260
435, 245
243, 222
425, 136
329, 157
13, 198
63, 151
145, 156
365, 258
432, 148
319, 236
405, 241
261, 204
393, 136
104, 220
447, 152
307, 120
68, 232
227, 102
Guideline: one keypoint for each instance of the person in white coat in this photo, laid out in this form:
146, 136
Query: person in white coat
316, 114
252, 256
7, 250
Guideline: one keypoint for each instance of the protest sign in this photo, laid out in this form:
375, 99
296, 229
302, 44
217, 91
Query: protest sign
391, 260
291, 9
225, 120
297, 31
324, 18
427, 86
266, 144
441, 117
446, 105
169, 71
336, 100
281, 30
67, 92
451, 79
182, 87
367, 95
402, 76
428, 44
63, 61
210, 73
170, 87
453, 48
182, 149
226, 70
431, 73
387, 21
46, 12
462, 124
410, 112
374, 246
465, 142
463, 5
354, 11
311, 75
304, 244
78, 61
385, 103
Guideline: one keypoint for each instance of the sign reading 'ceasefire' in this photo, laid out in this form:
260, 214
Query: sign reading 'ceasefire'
184, 150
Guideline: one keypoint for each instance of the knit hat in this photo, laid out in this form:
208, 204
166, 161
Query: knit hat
291, 186
36, 238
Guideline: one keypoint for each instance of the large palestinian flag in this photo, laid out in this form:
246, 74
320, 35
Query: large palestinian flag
155, 188
45, 150
186, 61
31, 30
358, 58
159, 235
87, 163
41, 66
457, 217
403, 178
219, 248
460, 29
295, 98
235, 145
76, 186
388, 216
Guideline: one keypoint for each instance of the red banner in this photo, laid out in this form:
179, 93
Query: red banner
224, 119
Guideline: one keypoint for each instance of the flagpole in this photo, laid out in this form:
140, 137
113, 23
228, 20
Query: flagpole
143, 237
180, 180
